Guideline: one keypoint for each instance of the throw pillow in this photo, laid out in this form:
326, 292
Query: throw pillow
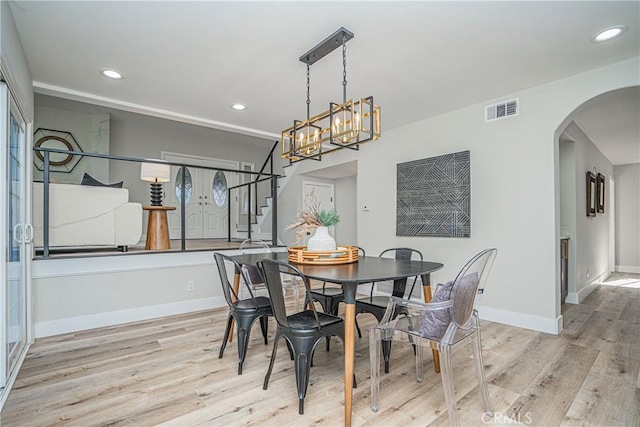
435, 323
253, 274
89, 180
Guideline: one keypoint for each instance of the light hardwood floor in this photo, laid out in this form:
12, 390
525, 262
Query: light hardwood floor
167, 372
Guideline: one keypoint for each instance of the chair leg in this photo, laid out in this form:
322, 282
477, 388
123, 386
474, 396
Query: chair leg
386, 352
358, 328
447, 384
226, 336
264, 325
243, 344
482, 382
265, 385
303, 361
244, 332
374, 355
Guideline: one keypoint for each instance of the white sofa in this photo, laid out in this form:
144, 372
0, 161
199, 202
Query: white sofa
82, 215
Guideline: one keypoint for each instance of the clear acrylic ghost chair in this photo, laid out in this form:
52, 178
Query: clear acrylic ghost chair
257, 282
450, 319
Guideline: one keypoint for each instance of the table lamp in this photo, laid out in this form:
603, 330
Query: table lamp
156, 173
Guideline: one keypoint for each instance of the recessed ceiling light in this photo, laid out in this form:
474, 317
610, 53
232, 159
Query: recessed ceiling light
609, 33
111, 73
238, 107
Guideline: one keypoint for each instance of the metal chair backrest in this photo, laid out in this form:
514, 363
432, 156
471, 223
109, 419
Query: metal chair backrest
469, 283
271, 271
400, 286
230, 294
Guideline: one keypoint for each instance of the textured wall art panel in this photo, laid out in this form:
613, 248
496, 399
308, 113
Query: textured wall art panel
434, 196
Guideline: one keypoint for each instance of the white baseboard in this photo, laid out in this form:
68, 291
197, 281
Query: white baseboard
628, 269
578, 297
522, 320
81, 323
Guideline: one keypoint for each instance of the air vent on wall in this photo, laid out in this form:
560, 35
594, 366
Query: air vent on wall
501, 110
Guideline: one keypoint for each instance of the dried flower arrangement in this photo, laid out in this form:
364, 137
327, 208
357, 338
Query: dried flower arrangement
313, 217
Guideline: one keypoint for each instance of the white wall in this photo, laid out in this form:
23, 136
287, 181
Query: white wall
590, 240
627, 207
101, 291
515, 192
346, 196
13, 63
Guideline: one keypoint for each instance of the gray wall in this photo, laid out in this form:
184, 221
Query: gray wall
589, 242
627, 203
146, 137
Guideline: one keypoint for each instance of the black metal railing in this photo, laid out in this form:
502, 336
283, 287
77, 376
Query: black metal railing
183, 166
252, 196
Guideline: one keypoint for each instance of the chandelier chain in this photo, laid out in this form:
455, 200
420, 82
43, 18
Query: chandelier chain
308, 90
344, 68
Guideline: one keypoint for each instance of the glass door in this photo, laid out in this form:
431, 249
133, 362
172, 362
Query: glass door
16, 235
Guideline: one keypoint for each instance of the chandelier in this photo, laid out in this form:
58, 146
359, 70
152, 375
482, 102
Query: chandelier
344, 125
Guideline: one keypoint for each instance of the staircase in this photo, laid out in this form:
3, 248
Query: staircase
261, 222
260, 214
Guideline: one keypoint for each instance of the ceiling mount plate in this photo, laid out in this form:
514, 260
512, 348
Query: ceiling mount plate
326, 46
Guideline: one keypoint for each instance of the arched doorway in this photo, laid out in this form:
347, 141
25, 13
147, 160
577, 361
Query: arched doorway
598, 135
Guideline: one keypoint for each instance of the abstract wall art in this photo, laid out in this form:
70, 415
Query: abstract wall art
434, 196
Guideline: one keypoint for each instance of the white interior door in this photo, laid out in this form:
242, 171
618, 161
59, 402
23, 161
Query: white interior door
193, 211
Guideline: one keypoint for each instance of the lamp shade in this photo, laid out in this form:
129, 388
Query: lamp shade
155, 172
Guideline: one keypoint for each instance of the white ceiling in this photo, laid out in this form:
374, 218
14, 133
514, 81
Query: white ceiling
192, 60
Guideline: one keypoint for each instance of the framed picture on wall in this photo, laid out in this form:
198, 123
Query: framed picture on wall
591, 194
600, 192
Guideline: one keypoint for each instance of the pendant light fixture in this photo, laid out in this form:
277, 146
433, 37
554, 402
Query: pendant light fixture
344, 125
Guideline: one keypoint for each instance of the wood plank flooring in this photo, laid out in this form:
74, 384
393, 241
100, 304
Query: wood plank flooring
167, 372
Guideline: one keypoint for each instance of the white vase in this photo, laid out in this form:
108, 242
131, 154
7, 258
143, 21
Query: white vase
321, 240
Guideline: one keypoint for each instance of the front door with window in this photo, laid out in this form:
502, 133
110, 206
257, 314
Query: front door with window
206, 197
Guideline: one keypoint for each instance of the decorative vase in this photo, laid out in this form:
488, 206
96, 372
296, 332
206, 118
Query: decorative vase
321, 240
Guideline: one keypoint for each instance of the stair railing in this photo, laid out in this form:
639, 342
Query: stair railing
252, 189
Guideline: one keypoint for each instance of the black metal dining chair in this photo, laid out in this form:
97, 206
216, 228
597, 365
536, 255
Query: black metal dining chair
330, 297
244, 311
377, 304
302, 330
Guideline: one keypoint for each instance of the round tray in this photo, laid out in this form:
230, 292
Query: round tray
342, 255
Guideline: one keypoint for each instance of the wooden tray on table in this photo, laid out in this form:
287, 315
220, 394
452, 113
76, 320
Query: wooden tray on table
342, 255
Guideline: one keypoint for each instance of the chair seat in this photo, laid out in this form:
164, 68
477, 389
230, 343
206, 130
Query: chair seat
248, 304
375, 301
305, 320
329, 292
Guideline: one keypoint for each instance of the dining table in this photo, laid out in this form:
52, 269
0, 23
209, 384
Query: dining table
365, 270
